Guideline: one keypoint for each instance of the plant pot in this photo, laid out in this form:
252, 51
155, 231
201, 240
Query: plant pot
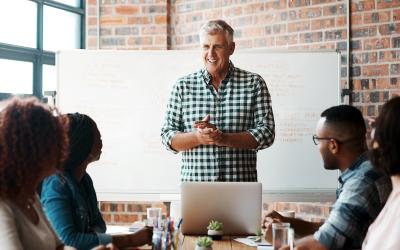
202, 248
214, 234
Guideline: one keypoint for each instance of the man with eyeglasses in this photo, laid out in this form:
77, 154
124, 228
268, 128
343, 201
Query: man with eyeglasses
362, 191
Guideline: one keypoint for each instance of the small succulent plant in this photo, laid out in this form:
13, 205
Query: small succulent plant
215, 225
204, 241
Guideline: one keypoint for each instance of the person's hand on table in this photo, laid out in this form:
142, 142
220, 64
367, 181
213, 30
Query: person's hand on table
108, 247
269, 218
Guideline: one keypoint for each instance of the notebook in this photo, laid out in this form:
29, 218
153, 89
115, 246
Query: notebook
236, 204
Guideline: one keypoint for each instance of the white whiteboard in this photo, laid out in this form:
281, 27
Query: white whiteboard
126, 93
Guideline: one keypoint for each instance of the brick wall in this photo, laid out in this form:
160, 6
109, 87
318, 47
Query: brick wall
283, 24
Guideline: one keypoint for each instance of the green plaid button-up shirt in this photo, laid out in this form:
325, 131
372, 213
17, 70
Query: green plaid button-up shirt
242, 103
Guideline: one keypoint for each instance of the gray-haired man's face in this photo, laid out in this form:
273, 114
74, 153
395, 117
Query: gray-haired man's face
216, 52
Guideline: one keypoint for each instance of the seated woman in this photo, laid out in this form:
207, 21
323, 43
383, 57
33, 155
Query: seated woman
33, 143
385, 231
69, 198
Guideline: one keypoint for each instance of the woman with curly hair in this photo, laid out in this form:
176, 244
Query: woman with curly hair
385, 231
33, 144
70, 200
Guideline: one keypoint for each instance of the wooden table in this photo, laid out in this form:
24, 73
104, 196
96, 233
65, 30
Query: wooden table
227, 243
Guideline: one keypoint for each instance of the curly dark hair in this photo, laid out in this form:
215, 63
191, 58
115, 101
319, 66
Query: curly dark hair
386, 155
33, 145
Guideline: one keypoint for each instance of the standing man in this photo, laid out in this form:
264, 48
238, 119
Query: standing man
219, 116
362, 192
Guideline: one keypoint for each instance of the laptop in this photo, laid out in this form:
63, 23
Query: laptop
236, 204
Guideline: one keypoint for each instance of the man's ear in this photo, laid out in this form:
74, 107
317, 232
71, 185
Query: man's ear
232, 48
334, 146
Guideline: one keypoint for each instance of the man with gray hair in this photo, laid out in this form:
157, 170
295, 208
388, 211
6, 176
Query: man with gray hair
219, 116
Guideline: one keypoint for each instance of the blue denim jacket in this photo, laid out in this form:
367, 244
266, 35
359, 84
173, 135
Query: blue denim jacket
72, 210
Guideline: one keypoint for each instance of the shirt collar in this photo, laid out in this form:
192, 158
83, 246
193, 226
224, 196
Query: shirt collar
348, 172
207, 76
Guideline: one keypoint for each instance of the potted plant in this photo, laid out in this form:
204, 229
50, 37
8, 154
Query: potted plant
204, 243
215, 230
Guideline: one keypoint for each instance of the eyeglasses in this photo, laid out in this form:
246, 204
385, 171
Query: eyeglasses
316, 139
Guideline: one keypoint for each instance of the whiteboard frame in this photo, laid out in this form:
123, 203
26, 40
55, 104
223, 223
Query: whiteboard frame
306, 195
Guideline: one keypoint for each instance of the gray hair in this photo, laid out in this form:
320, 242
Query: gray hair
213, 27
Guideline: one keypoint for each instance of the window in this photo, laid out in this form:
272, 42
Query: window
31, 31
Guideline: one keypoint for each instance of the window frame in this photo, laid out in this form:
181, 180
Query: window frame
37, 56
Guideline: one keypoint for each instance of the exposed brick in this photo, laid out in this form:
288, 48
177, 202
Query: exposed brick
140, 40
376, 17
394, 81
125, 31
389, 29
253, 32
91, 2
395, 69
106, 31
160, 19
371, 110
264, 42
160, 40
383, 83
251, 9
288, 39
126, 10
311, 37
111, 20
154, 9
154, 30
334, 10
279, 28
365, 84
298, 26
396, 42
140, 20
322, 23
299, 3
277, 4
92, 32
363, 32
384, 4
315, 2
363, 5
355, 45
340, 21
375, 70
335, 35
376, 43
213, 14
91, 43
194, 17
125, 218
233, 12
396, 15
356, 19
341, 45
187, 7
202, 5
309, 13
92, 21
107, 218
243, 21
355, 71
355, 97
374, 96
244, 44
112, 41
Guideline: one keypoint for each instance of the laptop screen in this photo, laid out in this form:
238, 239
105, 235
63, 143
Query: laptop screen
236, 204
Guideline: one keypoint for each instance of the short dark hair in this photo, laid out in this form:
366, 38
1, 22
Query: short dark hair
347, 120
387, 136
81, 140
